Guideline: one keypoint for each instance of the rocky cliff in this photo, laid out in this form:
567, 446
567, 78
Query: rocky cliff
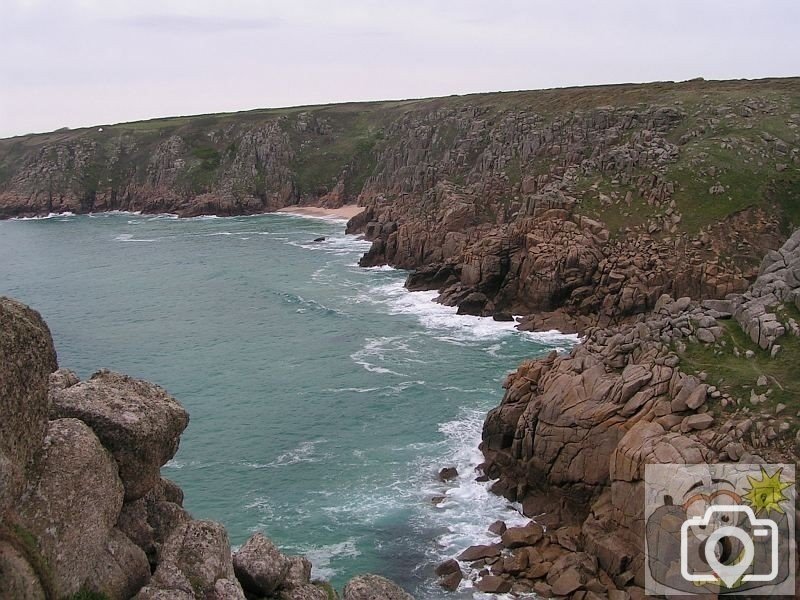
687, 383
575, 207
84, 511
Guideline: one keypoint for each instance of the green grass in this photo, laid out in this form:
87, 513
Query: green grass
322, 158
737, 375
617, 215
25, 543
328, 588
358, 132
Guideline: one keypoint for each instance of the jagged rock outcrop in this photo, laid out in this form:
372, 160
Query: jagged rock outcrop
574, 432
778, 283
261, 566
137, 421
195, 561
84, 508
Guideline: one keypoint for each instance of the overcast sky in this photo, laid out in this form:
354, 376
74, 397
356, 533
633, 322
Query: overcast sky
84, 62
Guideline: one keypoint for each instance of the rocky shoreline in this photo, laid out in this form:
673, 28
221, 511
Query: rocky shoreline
638, 216
574, 432
84, 511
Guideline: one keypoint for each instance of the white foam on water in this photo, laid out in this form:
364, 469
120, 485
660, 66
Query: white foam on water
437, 317
51, 215
339, 245
322, 556
128, 237
378, 268
449, 326
376, 350
469, 507
130, 213
388, 390
205, 218
306, 452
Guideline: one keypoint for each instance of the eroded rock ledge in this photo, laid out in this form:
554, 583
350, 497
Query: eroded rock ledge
83, 507
574, 432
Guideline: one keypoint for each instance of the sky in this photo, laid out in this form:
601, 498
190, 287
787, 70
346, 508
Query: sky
72, 63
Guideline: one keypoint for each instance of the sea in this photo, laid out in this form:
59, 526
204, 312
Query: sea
324, 397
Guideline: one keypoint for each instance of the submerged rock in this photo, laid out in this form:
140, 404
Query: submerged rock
448, 474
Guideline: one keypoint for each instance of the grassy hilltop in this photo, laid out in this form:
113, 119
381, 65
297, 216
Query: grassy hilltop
737, 140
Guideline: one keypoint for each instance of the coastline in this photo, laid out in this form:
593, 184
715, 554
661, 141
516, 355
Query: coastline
348, 211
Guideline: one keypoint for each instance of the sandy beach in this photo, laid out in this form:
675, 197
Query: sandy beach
345, 212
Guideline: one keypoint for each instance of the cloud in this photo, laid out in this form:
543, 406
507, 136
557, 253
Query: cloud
82, 62
173, 23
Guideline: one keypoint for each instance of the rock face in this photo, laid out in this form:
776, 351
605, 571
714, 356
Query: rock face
121, 569
139, 422
27, 358
778, 283
574, 433
373, 587
573, 207
71, 506
195, 560
261, 566
83, 508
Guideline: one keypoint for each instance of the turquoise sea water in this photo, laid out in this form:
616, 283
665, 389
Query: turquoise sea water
323, 397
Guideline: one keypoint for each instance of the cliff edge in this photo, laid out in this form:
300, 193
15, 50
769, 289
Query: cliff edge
688, 383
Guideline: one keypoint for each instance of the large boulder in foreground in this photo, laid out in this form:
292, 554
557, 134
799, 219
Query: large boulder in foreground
121, 569
27, 358
260, 567
374, 587
139, 422
195, 562
71, 505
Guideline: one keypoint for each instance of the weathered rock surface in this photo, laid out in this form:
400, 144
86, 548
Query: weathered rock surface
20, 581
574, 433
72, 503
306, 591
260, 566
373, 587
121, 570
150, 520
27, 358
139, 422
778, 283
195, 557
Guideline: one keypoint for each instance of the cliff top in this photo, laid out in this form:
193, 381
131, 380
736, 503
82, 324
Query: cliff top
550, 100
